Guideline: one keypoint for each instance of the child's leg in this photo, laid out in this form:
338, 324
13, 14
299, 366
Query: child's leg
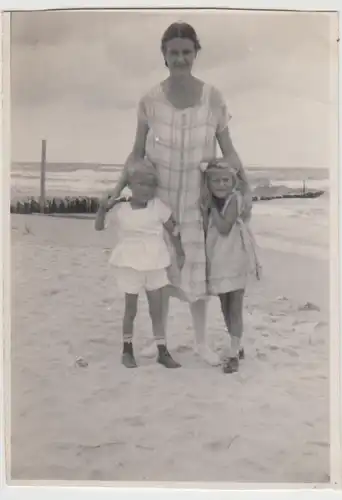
236, 319
150, 349
156, 308
131, 307
224, 300
232, 309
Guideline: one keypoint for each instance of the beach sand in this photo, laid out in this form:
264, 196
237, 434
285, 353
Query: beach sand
267, 423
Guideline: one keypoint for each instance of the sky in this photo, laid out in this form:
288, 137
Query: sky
76, 79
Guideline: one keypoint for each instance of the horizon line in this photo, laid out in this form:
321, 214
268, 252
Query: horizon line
105, 164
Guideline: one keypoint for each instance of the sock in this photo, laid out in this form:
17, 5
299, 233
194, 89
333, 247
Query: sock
235, 344
162, 349
128, 347
160, 342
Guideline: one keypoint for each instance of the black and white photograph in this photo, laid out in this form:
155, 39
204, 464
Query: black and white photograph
170, 185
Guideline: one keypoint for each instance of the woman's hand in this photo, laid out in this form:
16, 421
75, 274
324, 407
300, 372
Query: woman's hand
205, 199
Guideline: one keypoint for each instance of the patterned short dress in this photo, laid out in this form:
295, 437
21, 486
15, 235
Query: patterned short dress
232, 259
177, 142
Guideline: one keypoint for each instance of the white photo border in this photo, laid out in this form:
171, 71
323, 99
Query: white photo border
67, 490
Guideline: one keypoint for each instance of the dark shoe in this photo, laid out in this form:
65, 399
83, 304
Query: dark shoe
128, 359
231, 365
165, 358
241, 353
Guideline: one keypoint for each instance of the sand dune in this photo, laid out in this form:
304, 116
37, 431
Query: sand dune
267, 423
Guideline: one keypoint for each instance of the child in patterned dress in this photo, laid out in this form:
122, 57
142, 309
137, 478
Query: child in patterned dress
231, 252
141, 257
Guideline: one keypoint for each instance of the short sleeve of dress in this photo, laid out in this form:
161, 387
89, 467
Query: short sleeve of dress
220, 110
163, 211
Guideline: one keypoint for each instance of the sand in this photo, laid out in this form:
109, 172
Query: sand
267, 423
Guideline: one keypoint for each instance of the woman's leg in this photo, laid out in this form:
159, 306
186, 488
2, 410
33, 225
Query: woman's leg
198, 311
155, 301
131, 307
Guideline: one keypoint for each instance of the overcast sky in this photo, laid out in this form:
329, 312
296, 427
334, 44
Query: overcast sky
77, 78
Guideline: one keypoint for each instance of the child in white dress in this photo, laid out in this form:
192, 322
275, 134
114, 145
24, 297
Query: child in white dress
231, 252
141, 257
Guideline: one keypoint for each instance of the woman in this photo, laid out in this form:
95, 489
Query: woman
180, 121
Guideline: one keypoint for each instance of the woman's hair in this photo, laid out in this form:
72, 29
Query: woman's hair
180, 30
143, 167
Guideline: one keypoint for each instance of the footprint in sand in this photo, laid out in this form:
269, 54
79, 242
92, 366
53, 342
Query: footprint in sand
144, 447
81, 362
309, 306
135, 421
191, 417
290, 352
273, 347
261, 355
321, 444
181, 348
259, 327
320, 324
220, 445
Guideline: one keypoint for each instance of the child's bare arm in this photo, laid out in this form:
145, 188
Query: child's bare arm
103, 209
100, 218
225, 222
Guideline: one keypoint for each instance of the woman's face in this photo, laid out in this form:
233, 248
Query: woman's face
179, 55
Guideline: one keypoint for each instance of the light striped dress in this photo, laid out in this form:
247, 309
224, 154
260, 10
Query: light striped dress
177, 142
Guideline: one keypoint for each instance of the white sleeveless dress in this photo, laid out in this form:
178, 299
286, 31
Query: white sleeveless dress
232, 258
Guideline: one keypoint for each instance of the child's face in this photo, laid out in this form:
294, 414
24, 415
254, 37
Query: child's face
143, 186
221, 183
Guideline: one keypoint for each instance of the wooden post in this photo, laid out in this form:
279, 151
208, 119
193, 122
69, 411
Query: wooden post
42, 177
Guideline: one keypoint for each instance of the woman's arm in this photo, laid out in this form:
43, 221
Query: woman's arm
171, 226
225, 222
137, 153
230, 154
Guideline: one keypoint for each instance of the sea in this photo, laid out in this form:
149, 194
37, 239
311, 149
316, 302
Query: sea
295, 225
90, 179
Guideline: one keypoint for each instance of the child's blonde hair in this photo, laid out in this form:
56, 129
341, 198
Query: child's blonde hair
219, 165
143, 167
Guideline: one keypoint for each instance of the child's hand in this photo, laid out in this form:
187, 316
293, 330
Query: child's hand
100, 219
103, 202
108, 204
180, 259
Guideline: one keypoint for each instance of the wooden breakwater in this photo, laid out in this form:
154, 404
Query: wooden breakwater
90, 205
